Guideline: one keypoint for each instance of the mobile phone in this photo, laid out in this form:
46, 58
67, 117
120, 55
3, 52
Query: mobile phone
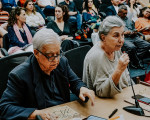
92, 117
142, 99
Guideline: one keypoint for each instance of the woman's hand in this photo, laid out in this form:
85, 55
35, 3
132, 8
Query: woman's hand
44, 113
123, 62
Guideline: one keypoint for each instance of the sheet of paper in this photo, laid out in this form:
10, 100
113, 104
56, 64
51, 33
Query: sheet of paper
66, 113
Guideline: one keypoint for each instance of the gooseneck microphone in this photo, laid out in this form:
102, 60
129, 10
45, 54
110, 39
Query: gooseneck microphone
137, 110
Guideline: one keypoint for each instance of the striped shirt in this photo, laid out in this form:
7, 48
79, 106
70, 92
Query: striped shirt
3, 17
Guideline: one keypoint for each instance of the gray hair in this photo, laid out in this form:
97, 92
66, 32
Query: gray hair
43, 37
108, 23
122, 7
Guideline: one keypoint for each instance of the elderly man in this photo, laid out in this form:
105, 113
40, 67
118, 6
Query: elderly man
133, 45
42, 81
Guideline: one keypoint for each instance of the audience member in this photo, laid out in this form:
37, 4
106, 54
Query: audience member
34, 19
105, 67
48, 6
113, 9
8, 4
18, 32
143, 23
3, 23
133, 45
44, 79
75, 17
90, 13
134, 9
62, 27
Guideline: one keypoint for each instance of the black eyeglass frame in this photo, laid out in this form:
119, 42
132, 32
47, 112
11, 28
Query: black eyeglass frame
54, 57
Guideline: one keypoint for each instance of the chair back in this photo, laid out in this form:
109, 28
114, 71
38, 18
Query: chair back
76, 58
6, 41
7, 64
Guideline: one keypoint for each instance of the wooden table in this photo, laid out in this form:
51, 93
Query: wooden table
104, 107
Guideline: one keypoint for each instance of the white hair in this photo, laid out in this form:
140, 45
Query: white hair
43, 37
108, 23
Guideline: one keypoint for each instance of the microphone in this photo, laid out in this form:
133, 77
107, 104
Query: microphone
137, 110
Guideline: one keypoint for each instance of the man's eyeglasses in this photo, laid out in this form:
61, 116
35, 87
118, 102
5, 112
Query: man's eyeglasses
52, 58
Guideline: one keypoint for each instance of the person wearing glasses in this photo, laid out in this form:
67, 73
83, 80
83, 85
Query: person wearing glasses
43, 81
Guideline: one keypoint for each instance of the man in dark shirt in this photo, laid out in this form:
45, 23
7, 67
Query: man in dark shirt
44, 80
75, 16
133, 45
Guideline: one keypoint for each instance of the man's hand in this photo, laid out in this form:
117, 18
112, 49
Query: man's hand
45, 115
85, 92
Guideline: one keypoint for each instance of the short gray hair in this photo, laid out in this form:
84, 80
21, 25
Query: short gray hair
122, 7
43, 37
108, 23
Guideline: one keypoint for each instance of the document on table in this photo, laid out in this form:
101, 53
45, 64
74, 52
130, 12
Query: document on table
66, 113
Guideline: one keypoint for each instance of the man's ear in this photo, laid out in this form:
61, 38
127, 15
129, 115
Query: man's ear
36, 53
102, 37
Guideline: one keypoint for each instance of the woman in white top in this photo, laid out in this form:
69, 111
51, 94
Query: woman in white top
134, 7
34, 19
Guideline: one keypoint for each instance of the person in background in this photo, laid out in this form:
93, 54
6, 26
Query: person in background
105, 66
134, 9
136, 47
8, 5
62, 27
113, 9
34, 19
3, 23
142, 24
45, 79
75, 16
18, 32
48, 6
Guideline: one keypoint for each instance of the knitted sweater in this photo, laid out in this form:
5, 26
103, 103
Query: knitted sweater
98, 70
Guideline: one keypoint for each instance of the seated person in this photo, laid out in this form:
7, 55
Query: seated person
90, 14
3, 23
75, 17
142, 24
134, 9
105, 67
48, 6
136, 47
62, 27
34, 19
113, 9
18, 32
44, 80
8, 4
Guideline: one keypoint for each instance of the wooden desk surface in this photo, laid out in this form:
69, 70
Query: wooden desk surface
104, 107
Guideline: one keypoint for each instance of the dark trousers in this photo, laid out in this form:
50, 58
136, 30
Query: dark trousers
136, 48
49, 10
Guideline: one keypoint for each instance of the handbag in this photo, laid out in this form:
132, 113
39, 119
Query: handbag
147, 75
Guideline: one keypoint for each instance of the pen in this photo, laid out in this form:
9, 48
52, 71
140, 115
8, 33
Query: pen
113, 113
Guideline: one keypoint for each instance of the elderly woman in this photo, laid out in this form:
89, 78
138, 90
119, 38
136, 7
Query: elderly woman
105, 67
45, 79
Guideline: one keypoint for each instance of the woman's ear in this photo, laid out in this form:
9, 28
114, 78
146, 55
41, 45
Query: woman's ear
102, 37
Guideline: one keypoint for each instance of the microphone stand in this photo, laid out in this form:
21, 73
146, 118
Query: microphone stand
137, 110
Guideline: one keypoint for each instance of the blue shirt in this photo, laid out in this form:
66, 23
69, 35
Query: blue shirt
6, 3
